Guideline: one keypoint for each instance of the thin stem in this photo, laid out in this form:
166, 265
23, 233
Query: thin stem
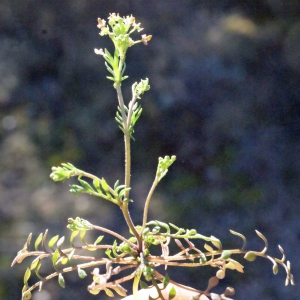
157, 288
146, 208
124, 205
158, 275
115, 234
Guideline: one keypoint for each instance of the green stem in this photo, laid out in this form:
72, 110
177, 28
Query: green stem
124, 205
146, 208
157, 288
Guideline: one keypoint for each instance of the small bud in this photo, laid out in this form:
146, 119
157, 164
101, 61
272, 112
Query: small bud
101, 23
220, 273
146, 38
99, 51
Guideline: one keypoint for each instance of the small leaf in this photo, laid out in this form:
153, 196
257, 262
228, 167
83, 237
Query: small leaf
109, 293
64, 260
27, 276
73, 235
275, 269
82, 234
53, 241
38, 241
104, 185
60, 242
172, 293
99, 239
55, 257
208, 248
226, 254
235, 265
81, 273
70, 256
37, 269
250, 256
34, 263
61, 280
86, 185
143, 285
96, 183
166, 280
216, 242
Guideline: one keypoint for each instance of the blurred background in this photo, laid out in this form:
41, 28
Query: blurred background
224, 98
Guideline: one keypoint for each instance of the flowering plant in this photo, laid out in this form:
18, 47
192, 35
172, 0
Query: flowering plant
135, 251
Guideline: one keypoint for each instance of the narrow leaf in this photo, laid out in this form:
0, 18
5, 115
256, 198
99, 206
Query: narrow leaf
55, 257
53, 241
99, 240
73, 235
61, 280
109, 293
27, 276
38, 241
166, 280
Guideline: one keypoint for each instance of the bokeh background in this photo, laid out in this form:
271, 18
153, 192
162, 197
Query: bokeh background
224, 98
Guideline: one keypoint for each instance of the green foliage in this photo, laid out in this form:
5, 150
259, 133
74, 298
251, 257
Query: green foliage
133, 252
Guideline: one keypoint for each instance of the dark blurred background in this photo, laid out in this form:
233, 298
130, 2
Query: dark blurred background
224, 98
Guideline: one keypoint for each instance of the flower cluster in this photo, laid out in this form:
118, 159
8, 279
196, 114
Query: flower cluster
119, 30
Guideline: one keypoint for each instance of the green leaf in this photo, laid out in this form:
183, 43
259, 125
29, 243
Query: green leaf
73, 235
81, 273
99, 239
163, 165
86, 185
104, 185
143, 285
70, 256
37, 269
226, 254
96, 183
38, 241
34, 263
61, 280
166, 280
108, 253
53, 241
172, 293
82, 234
55, 257
250, 256
27, 276
76, 189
